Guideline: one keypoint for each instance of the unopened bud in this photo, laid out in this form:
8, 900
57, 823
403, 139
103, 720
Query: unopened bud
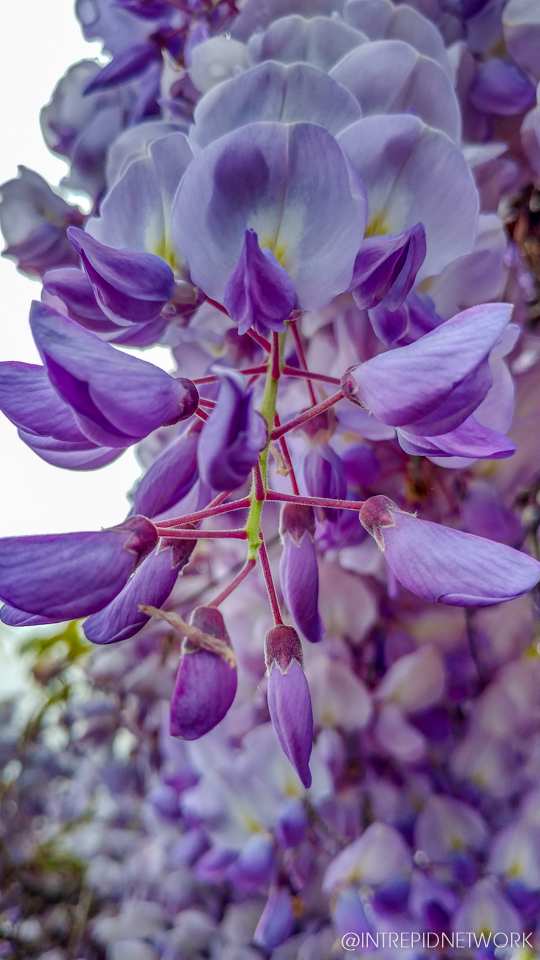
375, 514
282, 646
296, 519
206, 681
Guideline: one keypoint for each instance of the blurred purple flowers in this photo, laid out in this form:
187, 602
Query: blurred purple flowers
300, 720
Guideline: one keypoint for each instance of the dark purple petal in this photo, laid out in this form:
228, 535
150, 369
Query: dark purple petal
124, 66
259, 293
13, 617
150, 585
81, 455
324, 477
73, 288
442, 565
205, 684
500, 87
290, 709
129, 286
299, 578
104, 386
276, 922
386, 267
232, 437
470, 439
170, 478
62, 576
30, 402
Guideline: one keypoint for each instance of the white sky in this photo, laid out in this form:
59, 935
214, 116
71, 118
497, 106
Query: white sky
40, 39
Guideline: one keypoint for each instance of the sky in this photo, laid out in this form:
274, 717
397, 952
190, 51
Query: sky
41, 41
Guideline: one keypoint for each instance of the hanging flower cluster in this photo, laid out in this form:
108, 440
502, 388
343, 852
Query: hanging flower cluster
326, 210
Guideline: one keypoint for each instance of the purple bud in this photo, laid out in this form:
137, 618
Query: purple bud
386, 267
299, 571
289, 701
206, 682
259, 292
442, 565
276, 922
232, 437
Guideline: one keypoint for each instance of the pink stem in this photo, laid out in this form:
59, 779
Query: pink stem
169, 534
226, 592
307, 415
201, 414
260, 492
277, 497
276, 369
206, 402
262, 341
283, 446
212, 510
245, 371
302, 358
289, 371
270, 588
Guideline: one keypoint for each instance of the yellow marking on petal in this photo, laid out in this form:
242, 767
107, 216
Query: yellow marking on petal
378, 226
278, 250
456, 844
328, 718
164, 250
292, 789
515, 870
251, 824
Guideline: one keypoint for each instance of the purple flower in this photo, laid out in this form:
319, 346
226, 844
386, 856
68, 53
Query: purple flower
150, 585
64, 576
288, 697
232, 437
442, 565
128, 286
299, 571
34, 220
385, 269
254, 178
86, 373
206, 682
432, 385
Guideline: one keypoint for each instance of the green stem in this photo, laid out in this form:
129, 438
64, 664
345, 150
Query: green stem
267, 410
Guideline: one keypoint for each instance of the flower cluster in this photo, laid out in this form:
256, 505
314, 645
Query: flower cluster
326, 209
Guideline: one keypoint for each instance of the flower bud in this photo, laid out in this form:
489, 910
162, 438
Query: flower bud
206, 682
299, 571
289, 700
